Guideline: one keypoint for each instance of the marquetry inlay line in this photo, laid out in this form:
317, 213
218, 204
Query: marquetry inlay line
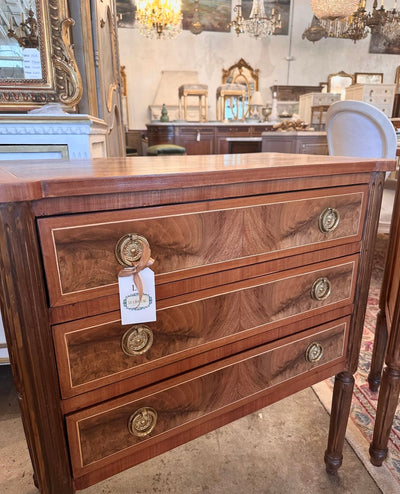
120, 403
208, 211
324, 304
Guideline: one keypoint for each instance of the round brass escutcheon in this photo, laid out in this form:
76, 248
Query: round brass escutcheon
142, 422
129, 249
137, 340
328, 220
314, 352
321, 289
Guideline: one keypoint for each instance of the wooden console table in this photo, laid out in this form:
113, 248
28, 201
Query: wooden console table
262, 265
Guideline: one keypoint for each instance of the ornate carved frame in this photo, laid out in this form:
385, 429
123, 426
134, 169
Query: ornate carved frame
61, 81
347, 80
237, 69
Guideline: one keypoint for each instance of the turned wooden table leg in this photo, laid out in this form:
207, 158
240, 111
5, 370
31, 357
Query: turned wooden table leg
387, 404
379, 350
341, 402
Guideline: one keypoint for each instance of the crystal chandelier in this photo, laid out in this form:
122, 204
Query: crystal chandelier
352, 27
159, 18
333, 9
355, 26
238, 22
391, 28
377, 18
259, 24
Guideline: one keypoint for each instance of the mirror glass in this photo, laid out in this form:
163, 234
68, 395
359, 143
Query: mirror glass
337, 83
240, 73
20, 56
37, 62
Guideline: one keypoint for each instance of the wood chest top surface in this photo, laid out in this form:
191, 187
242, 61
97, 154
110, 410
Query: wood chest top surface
25, 180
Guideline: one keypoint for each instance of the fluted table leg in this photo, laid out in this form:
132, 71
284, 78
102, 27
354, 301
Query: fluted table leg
341, 402
387, 404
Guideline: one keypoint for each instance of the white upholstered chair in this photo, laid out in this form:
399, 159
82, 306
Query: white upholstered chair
356, 128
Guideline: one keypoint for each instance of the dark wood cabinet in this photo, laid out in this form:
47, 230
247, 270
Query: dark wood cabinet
295, 142
196, 140
262, 265
208, 138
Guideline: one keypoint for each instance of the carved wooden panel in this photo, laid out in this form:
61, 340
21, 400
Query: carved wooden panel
92, 352
100, 435
79, 251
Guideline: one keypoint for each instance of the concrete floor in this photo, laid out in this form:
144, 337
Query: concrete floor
278, 450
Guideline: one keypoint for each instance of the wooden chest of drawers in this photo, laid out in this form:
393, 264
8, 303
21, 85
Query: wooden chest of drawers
262, 265
379, 95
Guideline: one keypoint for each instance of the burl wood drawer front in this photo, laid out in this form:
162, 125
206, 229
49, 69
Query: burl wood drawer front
112, 430
192, 239
97, 351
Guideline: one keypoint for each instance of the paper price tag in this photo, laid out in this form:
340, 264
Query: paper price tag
131, 310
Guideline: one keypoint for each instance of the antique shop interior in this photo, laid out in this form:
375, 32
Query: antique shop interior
89, 79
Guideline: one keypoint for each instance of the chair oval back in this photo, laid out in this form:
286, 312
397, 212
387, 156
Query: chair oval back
356, 128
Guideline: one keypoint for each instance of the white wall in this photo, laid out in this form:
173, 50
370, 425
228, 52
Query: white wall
210, 52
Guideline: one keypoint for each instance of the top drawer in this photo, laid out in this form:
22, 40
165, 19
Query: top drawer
193, 239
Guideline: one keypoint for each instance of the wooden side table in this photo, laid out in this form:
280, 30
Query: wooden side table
235, 91
320, 112
199, 90
387, 333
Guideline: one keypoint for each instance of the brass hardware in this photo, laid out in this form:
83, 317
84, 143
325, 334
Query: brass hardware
328, 220
137, 340
321, 289
314, 352
142, 422
129, 249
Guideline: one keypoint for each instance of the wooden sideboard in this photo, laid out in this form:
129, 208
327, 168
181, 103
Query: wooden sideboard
262, 265
211, 138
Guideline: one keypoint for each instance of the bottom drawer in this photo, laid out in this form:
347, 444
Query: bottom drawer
109, 432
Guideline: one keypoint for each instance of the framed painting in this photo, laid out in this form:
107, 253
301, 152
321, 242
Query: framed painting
379, 44
126, 10
368, 78
214, 16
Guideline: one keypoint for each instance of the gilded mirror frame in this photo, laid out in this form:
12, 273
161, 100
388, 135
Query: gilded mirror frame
339, 81
239, 70
61, 81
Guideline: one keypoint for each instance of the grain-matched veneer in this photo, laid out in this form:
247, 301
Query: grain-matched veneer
262, 266
193, 239
90, 352
101, 435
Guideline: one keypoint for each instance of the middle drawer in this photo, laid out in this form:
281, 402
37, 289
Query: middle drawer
97, 351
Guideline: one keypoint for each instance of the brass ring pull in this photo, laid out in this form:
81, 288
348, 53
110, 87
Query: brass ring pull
314, 352
329, 220
137, 340
142, 422
321, 289
129, 249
